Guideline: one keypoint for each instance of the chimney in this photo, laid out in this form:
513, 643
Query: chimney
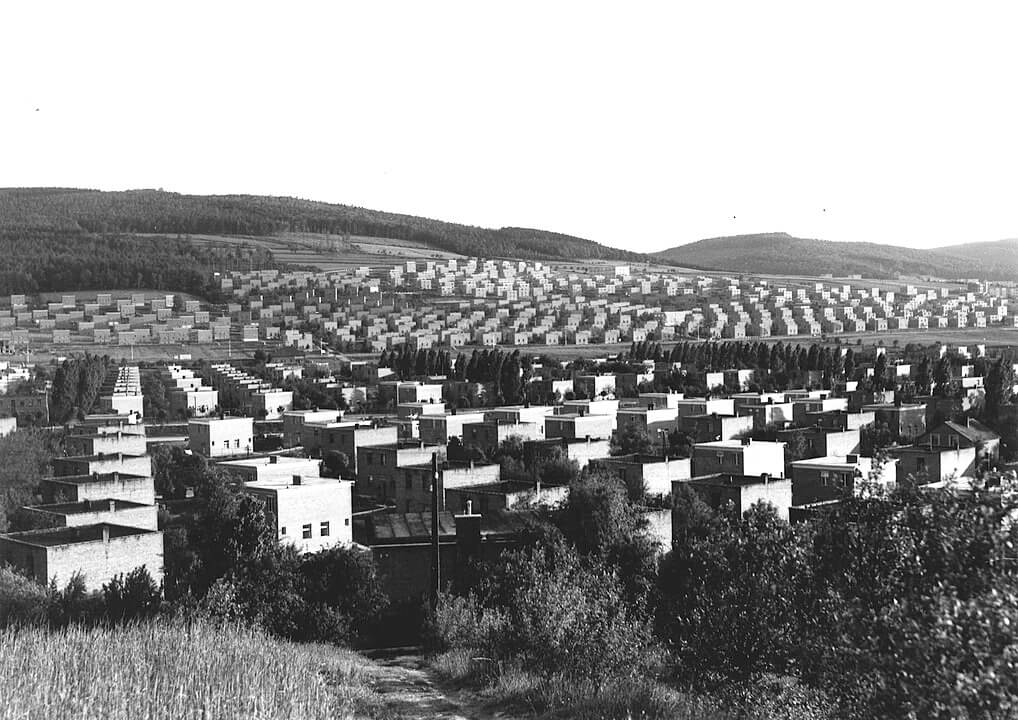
106, 533
296, 480
115, 476
113, 505
765, 477
468, 543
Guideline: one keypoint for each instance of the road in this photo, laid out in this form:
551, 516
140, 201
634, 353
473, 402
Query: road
410, 690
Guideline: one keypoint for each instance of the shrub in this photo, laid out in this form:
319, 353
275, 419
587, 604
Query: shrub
550, 611
22, 600
132, 597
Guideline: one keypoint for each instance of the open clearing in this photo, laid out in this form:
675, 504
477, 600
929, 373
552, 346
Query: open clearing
328, 252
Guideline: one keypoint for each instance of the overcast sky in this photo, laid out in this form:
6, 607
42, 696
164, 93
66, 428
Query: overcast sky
639, 125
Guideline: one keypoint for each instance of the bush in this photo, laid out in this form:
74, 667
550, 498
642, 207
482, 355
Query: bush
549, 611
22, 600
132, 597
731, 597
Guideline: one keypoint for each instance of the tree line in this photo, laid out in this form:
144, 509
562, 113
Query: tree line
510, 372
64, 260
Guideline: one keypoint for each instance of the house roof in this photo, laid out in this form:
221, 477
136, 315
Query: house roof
402, 528
53, 537
974, 431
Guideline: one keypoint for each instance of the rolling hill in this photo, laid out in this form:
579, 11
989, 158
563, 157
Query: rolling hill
92, 212
783, 254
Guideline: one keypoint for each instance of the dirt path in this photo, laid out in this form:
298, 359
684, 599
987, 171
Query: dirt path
410, 691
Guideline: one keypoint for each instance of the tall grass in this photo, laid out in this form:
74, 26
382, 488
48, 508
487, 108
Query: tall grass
173, 670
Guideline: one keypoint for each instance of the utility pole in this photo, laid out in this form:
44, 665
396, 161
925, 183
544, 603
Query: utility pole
436, 560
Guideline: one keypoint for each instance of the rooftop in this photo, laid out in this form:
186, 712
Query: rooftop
839, 461
267, 461
87, 506
54, 537
399, 528
213, 420
287, 483
96, 477
727, 480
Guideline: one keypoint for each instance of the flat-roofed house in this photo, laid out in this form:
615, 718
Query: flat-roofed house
740, 492
221, 437
739, 457
97, 552
310, 512
823, 479
91, 512
271, 467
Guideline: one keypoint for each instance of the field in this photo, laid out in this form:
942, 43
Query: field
330, 252
174, 671
216, 352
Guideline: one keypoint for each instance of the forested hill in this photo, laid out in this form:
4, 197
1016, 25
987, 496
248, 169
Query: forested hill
154, 211
784, 254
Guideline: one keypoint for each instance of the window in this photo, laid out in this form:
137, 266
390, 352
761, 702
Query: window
306, 532
825, 478
346, 521
282, 530
325, 529
409, 482
920, 464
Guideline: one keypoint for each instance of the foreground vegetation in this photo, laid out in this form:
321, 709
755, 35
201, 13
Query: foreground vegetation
173, 670
899, 605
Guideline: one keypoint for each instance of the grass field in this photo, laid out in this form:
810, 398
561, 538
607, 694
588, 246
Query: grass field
330, 252
174, 671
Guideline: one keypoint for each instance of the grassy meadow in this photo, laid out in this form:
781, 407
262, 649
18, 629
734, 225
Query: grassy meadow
174, 670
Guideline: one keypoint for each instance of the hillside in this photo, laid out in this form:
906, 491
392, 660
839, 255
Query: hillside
784, 254
61, 210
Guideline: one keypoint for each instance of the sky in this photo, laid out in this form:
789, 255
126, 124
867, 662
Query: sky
640, 125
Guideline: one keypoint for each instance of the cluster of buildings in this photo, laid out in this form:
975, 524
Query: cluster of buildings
468, 301
462, 302
97, 515
371, 479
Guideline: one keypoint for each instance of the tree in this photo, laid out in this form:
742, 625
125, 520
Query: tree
880, 372
337, 463
230, 530
131, 597
345, 580
732, 591
175, 470
849, 364
874, 437
999, 388
602, 524
27, 456
631, 438
156, 404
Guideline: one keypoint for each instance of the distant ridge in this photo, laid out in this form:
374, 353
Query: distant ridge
70, 211
783, 254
